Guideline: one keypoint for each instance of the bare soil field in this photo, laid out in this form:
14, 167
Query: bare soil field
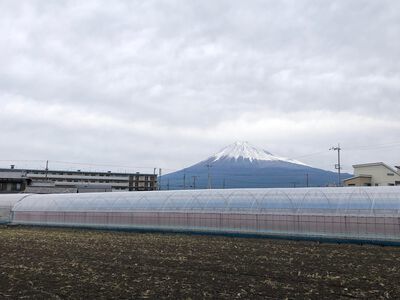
48, 263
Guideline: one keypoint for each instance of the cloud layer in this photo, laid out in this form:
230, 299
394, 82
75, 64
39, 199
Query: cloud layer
167, 83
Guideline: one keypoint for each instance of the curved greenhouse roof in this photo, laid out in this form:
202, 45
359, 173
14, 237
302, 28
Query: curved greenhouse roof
349, 200
11, 199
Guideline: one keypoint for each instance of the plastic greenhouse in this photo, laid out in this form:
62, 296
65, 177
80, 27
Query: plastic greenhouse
355, 213
7, 202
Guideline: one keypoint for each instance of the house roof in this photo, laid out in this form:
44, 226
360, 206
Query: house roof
360, 176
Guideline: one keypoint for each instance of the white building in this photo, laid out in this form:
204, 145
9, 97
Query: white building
61, 181
374, 174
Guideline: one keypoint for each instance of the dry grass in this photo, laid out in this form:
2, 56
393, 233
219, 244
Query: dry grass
64, 263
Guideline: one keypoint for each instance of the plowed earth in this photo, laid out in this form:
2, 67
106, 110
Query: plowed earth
43, 263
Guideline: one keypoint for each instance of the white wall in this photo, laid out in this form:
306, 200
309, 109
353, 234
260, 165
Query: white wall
379, 174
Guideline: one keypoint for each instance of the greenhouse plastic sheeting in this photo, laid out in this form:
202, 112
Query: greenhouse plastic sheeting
364, 201
351, 212
7, 202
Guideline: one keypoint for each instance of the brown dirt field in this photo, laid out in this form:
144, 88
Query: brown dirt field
76, 264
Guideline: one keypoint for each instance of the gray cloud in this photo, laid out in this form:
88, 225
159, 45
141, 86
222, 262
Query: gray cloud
165, 83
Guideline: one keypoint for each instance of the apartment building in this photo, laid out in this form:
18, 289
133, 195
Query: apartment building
60, 181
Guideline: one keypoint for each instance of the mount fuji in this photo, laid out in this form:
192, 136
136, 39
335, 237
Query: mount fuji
241, 165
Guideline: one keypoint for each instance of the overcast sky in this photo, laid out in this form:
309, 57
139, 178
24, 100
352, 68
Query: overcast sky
168, 83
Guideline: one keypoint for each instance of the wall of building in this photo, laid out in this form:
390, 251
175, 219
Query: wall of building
358, 181
381, 175
11, 180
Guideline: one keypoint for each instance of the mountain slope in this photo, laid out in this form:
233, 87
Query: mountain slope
241, 165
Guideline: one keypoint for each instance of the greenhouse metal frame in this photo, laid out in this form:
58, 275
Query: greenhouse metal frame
348, 213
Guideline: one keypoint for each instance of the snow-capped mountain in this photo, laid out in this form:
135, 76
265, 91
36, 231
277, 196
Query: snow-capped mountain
241, 165
245, 151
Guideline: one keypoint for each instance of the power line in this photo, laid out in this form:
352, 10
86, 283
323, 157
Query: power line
83, 163
311, 154
126, 166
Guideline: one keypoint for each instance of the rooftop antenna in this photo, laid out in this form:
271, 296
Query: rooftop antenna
337, 166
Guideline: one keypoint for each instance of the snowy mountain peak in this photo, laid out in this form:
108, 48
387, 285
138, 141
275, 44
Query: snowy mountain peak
244, 150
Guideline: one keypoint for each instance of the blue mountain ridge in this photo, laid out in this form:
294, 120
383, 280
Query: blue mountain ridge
240, 170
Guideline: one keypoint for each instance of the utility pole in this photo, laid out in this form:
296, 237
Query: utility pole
47, 168
337, 166
208, 175
168, 184
184, 179
307, 180
194, 181
223, 184
159, 179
